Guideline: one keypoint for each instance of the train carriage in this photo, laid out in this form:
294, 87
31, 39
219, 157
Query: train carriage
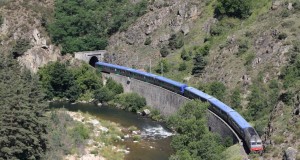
193, 93
170, 84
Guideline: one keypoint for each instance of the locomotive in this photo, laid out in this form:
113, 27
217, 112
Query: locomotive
233, 118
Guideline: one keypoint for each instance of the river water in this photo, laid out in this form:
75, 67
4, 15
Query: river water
156, 138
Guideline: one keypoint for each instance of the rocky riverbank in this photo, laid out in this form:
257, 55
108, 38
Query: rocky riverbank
103, 139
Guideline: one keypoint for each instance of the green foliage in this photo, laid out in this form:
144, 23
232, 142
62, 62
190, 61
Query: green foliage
285, 13
86, 25
80, 133
199, 64
103, 94
186, 56
296, 5
176, 41
148, 41
223, 26
282, 36
217, 89
233, 8
249, 58
164, 51
1, 20
243, 47
114, 87
291, 73
182, 66
235, 98
21, 46
287, 97
131, 101
194, 141
58, 80
257, 102
22, 113
162, 67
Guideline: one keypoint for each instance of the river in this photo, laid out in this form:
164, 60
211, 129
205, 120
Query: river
156, 138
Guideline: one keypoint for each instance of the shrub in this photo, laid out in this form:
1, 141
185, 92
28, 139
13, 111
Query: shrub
21, 46
114, 87
162, 67
282, 36
185, 55
287, 97
285, 13
182, 66
148, 41
243, 47
199, 64
176, 41
80, 133
103, 94
236, 98
131, 101
217, 89
249, 58
164, 51
233, 8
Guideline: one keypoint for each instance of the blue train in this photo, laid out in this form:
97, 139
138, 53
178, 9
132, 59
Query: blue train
233, 118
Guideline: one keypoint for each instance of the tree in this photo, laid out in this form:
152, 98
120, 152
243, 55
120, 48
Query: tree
131, 101
162, 67
164, 51
114, 87
233, 8
22, 108
176, 41
236, 98
199, 64
103, 94
217, 89
193, 141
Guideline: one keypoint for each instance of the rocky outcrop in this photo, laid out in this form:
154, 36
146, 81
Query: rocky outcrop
22, 20
163, 19
290, 154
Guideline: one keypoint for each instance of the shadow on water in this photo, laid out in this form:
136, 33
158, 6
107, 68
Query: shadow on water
155, 144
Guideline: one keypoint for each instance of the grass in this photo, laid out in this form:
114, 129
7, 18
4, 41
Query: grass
233, 153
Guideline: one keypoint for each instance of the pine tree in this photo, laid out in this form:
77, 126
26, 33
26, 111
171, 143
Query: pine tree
199, 64
22, 121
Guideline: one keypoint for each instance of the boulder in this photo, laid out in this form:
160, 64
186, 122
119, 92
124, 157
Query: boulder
290, 154
146, 112
275, 5
185, 29
290, 6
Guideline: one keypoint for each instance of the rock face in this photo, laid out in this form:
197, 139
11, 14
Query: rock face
163, 19
290, 154
23, 20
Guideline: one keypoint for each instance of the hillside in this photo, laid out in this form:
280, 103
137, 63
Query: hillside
249, 60
255, 58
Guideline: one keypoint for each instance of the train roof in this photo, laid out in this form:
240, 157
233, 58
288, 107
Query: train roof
214, 101
111, 65
141, 72
198, 92
170, 81
239, 119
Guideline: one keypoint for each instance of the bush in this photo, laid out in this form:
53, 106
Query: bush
185, 55
249, 58
131, 101
282, 36
21, 46
236, 98
148, 41
114, 87
217, 89
103, 94
233, 8
285, 13
243, 47
176, 41
199, 64
80, 133
182, 66
164, 51
162, 67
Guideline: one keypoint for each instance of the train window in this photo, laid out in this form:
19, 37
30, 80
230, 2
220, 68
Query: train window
258, 143
253, 143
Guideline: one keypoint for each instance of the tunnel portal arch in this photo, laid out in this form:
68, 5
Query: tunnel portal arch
93, 61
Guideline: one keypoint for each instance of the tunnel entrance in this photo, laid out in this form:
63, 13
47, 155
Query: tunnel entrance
93, 61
